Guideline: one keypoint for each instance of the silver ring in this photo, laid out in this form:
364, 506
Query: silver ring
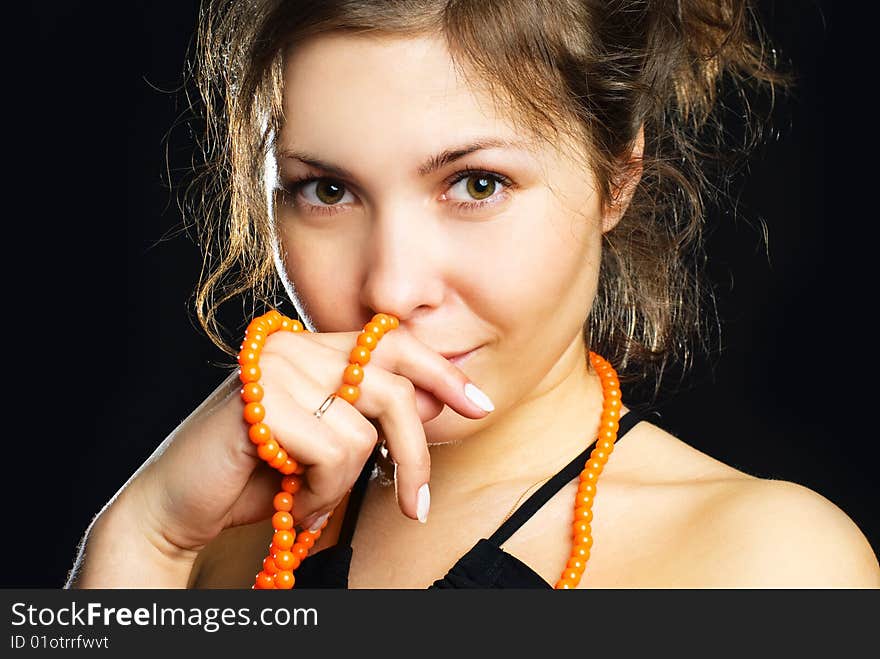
324, 406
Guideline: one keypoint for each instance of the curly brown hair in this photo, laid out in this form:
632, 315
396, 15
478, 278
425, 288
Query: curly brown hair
606, 68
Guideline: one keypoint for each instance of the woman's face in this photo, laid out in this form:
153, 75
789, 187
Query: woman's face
495, 248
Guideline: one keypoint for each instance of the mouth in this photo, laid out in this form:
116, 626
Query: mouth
458, 357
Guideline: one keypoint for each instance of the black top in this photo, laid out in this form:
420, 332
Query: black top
485, 565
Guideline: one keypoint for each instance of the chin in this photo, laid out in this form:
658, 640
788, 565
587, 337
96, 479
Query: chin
449, 427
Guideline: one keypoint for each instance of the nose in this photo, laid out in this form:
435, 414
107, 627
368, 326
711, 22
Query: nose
402, 273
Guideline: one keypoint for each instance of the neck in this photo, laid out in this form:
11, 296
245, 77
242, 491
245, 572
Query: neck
530, 440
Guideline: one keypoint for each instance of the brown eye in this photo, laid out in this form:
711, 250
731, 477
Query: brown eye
480, 187
328, 191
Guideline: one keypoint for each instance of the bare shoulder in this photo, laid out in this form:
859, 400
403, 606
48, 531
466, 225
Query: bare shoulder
780, 534
727, 528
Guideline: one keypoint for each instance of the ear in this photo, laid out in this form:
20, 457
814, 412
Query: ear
625, 185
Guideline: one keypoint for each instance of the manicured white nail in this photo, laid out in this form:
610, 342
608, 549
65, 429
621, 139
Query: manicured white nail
317, 523
478, 397
424, 503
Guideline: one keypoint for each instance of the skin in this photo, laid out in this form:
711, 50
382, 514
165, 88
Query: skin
516, 279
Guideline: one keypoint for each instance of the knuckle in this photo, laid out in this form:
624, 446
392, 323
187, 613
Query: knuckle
335, 453
366, 435
403, 389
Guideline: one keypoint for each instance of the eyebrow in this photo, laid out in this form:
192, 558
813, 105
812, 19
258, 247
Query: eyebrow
431, 165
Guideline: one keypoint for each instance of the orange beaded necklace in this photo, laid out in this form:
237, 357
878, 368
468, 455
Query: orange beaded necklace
289, 548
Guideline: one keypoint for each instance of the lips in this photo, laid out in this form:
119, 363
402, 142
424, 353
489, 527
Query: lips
450, 355
459, 357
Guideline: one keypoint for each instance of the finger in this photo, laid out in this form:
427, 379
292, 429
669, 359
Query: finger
430, 371
333, 448
326, 363
406, 442
401, 352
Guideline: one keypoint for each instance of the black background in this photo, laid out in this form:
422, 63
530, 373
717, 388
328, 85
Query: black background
106, 359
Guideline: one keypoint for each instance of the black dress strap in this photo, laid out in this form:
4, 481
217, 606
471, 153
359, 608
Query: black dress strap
526, 510
558, 481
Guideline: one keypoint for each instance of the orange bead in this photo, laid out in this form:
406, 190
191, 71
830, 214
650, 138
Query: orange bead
296, 326
265, 581
282, 521
583, 513
395, 323
581, 551
306, 538
284, 560
257, 337
595, 465
600, 456
608, 424
584, 541
247, 357
605, 445
284, 580
353, 374
571, 575
289, 467
256, 326
283, 540
249, 373
269, 565
587, 487
300, 468
368, 341
609, 379
578, 564
279, 459
565, 584
252, 392
383, 321
375, 329
259, 433
581, 527
291, 484
583, 499
254, 412
272, 320
610, 415
250, 345
283, 501
359, 355
589, 476
612, 404
607, 435
268, 450
286, 324
301, 551
349, 393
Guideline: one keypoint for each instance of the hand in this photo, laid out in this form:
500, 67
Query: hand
207, 475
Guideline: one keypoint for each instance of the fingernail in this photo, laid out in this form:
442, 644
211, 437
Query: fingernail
478, 397
318, 522
424, 503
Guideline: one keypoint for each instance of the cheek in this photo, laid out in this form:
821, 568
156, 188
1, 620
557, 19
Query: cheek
542, 263
323, 287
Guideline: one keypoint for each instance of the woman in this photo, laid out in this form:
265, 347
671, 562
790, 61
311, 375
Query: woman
520, 186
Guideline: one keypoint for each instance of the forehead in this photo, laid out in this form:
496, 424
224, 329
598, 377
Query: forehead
387, 96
